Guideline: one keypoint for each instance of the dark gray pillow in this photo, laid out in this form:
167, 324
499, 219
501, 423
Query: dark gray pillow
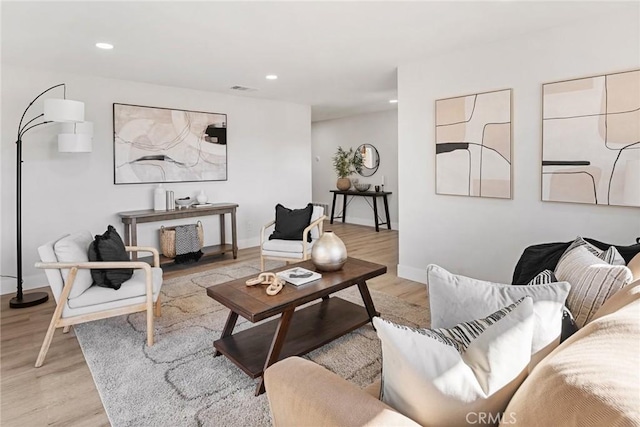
109, 247
290, 223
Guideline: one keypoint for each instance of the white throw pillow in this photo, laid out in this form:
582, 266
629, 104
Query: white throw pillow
592, 282
454, 299
447, 377
74, 248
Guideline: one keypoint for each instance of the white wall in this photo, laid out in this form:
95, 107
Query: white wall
269, 162
484, 238
377, 129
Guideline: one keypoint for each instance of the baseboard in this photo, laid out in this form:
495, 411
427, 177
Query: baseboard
412, 273
9, 285
365, 221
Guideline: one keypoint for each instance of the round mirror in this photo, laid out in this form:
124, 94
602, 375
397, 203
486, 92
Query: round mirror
369, 158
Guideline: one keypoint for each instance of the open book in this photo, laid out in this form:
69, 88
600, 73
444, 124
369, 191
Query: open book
299, 276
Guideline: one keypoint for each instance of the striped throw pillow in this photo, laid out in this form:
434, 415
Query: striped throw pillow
610, 256
440, 376
592, 282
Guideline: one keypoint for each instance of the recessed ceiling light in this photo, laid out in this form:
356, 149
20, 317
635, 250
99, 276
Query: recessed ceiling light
104, 45
271, 77
393, 101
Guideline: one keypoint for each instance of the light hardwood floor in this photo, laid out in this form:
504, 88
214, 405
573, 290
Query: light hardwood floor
62, 391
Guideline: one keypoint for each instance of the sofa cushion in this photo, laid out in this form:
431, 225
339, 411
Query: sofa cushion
73, 248
136, 286
590, 380
454, 299
592, 282
54, 276
277, 245
634, 266
290, 223
440, 376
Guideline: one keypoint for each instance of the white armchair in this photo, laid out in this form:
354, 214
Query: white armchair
291, 250
85, 303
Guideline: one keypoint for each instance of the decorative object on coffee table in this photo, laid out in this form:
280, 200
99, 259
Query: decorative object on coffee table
329, 253
345, 163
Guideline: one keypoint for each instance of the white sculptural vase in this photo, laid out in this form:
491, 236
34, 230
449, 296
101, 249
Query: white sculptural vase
329, 253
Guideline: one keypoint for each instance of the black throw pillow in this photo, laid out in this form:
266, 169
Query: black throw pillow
109, 247
290, 223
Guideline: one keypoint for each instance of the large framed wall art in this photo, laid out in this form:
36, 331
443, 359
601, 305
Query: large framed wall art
473, 145
164, 145
591, 140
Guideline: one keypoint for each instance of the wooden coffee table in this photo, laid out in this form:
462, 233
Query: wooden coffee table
294, 332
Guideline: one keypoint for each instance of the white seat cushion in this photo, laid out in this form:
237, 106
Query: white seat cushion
133, 287
288, 246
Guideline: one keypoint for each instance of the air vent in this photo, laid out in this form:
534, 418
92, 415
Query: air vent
242, 88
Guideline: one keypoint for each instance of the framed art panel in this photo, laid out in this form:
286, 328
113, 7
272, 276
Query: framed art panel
591, 140
473, 145
163, 145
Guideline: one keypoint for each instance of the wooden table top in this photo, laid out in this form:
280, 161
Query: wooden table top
253, 303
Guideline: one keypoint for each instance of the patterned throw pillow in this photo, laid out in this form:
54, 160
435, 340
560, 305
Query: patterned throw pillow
610, 256
446, 376
592, 282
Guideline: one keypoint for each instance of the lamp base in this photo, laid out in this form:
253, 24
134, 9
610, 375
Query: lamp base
29, 300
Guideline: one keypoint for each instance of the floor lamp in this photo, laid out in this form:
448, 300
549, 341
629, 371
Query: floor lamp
55, 110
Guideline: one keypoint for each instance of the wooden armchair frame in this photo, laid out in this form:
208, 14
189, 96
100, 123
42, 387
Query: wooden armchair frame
58, 321
306, 253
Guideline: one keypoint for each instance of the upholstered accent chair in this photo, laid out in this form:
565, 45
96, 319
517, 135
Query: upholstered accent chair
68, 271
291, 250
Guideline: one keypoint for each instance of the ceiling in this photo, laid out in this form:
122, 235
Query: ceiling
338, 57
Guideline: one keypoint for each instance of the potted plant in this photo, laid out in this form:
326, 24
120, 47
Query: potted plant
345, 163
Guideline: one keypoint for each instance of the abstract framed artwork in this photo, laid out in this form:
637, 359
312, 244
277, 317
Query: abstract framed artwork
591, 140
473, 145
164, 145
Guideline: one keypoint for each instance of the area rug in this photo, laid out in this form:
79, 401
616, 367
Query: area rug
178, 382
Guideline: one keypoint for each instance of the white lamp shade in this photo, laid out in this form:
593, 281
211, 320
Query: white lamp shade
85, 128
76, 138
63, 110
74, 143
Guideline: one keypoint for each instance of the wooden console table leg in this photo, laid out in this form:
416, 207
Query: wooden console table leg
386, 211
228, 328
276, 346
127, 234
375, 212
223, 237
134, 238
234, 234
366, 298
333, 207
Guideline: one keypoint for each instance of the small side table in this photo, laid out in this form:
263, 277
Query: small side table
374, 196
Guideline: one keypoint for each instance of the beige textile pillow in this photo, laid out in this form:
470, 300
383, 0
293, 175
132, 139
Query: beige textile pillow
623, 297
592, 379
592, 282
634, 266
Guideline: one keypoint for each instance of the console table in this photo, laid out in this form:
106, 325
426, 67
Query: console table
373, 194
131, 219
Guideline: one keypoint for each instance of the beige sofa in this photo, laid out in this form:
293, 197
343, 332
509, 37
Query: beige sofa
591, 379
